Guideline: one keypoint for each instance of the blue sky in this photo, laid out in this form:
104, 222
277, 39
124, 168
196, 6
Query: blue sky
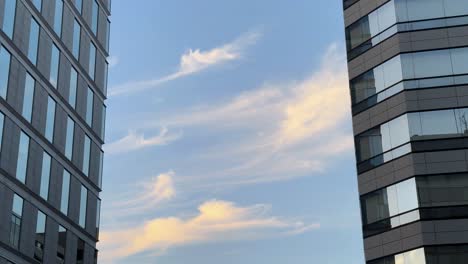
228, 135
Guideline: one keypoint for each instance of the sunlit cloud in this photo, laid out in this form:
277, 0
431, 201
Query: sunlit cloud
113, 61
194, 61
135, 141
215, 220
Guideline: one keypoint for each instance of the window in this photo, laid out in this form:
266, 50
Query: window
33, 41
92, 60
83, 201
442, 190
69, 139
103, 122
94, 17
73, 85
89, 107
101, 163
45, 176
416, 256
106, 69
37, 4
58, 17
54, 66
28, 97
50, 119
61, 245
15, 224
80, 251
2, 120
86, 155
76, 39
65, 192
98, 215
456, 254
9, 18
5, 58
23, 151
107, 34
79, 5
40, 236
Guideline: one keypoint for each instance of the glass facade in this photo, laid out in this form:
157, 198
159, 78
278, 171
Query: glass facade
5, 59
9, 18
58, 17
50, 119
83, 206
45, 176
54, 66
23, 154
40, 236
33, 41
86, 155
76, 39
69, 138
94, 17
92, 60
89, 106
28, 98
16, 219
73, 85
65, 192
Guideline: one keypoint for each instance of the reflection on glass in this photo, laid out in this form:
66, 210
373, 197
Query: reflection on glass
40, 236
443, 190
2, 121
86, 155
80, 251
58, 17
83, 205
50, 119
33, 41
9, 18
54, 66
37, 4
92, 60
89, 106
45, 176
69, 138
16, 218
61, 245
73, 85
22, 163
76, 39
5, 58
28, 97
65, 192
94, 17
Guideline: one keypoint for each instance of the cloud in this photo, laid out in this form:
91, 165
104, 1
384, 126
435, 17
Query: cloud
216, 220
194, 61
135, 141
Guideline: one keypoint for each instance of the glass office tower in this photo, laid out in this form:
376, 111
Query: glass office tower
53, 75
408, 71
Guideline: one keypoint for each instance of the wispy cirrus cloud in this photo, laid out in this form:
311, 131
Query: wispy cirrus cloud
194, 61
216, 220
134, 141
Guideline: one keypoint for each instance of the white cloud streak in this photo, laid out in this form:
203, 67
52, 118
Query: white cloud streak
215, 220
194, 61
135, 141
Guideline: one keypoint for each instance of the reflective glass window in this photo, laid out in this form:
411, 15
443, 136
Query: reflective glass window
83, 205
101, 167
107, 34
443, 190
73, 85
459, 57
61, 245
65, 192
58, 17
54, 66
98, 215
86, 155
33, 41
69, 139
45, 176
103, 122
2, 120
9, 18
416, 256
5, 58
92, 60
89, 106
28, 98
79, 5
80, 251
393, 200
76, 39
37, 4
94, 17
50, 119
16, 218
22, 164
40, 236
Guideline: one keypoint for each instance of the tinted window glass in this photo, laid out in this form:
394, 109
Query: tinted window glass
4, 71
40, 236
86, 155
69, 139
9, 18
65, 192
58, 17
2, 120
33, 41
79, 5
45, 176
92, 60
76, 39
443, 190
50, 119
15, 224
73, 84
61, 245
89, 106
83, 204
54, 66
28, 97
94, 17
22, 164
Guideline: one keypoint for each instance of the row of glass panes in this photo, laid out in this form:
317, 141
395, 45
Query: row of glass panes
33, 45
22, 173
40, 233
27, 111
412, 126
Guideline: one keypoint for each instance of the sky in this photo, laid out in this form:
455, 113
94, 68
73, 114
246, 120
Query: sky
228, 136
